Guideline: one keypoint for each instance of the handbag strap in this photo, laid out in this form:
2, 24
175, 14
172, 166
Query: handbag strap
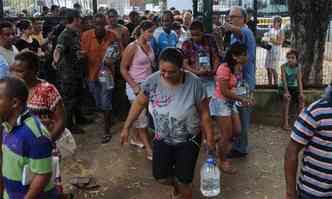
146, 53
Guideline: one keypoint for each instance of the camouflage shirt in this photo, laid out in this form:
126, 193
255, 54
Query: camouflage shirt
69, 46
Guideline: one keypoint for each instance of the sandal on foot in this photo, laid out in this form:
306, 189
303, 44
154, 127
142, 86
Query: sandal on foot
85, 183
106, 138
148, 155
137, 144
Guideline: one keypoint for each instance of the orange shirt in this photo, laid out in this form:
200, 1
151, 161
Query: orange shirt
95, 51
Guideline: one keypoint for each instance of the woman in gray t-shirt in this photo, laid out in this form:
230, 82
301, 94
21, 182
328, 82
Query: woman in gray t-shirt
179, 107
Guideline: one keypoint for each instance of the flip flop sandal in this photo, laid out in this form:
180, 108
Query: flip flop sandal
84, 183
149, 157
136, 144
106, 138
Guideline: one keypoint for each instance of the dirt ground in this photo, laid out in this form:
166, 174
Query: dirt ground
123, 173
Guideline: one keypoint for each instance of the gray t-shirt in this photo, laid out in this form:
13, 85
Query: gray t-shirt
175, 110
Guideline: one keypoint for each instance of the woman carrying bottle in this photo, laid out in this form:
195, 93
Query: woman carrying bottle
137, 64
178, 104
223, 104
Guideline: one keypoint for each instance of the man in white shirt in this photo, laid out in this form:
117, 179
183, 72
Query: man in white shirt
7, 35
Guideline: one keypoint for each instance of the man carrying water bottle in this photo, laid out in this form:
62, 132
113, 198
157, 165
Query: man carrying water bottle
241, 33
98, 46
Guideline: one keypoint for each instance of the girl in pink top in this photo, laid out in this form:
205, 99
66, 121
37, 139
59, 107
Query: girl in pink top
136, 65
222, 105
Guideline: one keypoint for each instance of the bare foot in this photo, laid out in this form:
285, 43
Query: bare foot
227, 167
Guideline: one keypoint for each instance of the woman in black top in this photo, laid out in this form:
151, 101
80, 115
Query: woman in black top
26, 42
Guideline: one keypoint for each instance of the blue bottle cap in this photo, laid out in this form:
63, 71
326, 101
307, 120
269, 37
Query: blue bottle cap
210, 161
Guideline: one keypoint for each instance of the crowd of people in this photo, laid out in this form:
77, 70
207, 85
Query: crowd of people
180, 82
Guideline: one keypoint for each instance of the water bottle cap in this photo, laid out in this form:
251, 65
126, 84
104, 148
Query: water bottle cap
210, 161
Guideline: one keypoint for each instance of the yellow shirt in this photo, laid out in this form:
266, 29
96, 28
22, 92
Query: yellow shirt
39, 38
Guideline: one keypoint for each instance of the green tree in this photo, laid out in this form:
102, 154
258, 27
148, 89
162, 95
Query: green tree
309, 22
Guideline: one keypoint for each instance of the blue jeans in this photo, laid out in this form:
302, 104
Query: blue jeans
241, 143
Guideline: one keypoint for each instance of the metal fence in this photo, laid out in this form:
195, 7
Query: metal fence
14, 8
265, 10
31, 7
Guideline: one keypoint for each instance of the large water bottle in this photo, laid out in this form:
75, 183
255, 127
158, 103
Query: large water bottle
105, 78
113, 53
242, 90
210, 178
203, 59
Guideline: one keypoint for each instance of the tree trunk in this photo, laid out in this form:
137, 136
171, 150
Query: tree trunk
309, 22
163, 5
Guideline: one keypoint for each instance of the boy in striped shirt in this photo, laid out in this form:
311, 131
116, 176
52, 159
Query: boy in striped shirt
312, 132
25, 146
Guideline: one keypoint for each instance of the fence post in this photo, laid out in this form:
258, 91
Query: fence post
95, 6
195, 3
207, 14
256, 15
1, 9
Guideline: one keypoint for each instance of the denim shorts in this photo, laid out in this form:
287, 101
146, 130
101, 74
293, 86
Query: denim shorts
219, 107
102, 96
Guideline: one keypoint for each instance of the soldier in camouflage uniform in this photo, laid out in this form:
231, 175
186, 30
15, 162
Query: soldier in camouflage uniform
67, 60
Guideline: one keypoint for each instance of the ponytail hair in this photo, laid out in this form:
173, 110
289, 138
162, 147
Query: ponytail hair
235, 49
144, 25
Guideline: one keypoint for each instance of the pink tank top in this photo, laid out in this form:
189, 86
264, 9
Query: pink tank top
224, 73
141, 66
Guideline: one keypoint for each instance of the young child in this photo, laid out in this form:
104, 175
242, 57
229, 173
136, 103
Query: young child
291, 86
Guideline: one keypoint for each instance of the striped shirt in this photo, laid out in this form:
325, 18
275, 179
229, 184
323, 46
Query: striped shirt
26, 143
313, 129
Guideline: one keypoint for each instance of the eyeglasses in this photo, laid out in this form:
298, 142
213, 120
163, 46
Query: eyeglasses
234, 16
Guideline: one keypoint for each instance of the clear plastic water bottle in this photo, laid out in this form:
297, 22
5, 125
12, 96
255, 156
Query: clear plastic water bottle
105, 78
242, 89
113, 52
203, 60
210, 178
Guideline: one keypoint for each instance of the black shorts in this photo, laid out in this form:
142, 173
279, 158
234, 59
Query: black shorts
294, 93
177, 161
